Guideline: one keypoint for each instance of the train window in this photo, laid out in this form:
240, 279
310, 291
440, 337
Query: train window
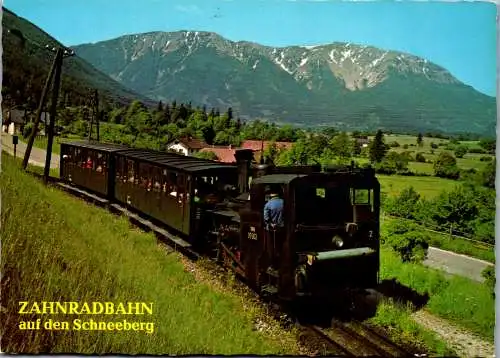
172, 184
131, 172
320, 192
321, 205
361, 196
156, 178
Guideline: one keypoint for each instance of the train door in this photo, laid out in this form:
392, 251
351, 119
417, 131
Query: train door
252, 245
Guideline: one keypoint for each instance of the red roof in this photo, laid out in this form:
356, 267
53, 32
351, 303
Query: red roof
193, 143
224, 154
257, 145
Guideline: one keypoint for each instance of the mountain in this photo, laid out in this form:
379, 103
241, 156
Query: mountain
341, 84
27, 61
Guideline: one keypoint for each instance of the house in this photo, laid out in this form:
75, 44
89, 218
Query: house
225, 154
13, 120
187, 145
363, 141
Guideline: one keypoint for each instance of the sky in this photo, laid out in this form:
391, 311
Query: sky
459, 36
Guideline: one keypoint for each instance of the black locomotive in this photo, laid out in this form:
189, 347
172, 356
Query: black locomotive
329, 241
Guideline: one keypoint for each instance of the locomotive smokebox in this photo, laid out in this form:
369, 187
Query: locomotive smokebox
244, 159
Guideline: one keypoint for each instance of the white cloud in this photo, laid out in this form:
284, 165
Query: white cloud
188, 8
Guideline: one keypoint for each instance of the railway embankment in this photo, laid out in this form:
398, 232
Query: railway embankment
56, 248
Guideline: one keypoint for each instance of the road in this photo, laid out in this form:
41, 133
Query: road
37, 156
447, 261
456, 264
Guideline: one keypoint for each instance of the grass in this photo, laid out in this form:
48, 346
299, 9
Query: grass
428, 187
57, 248
401, 327
41, 142
455, 244
463, 301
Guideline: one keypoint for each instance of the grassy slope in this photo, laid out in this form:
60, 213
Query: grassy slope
466, 302
71, 251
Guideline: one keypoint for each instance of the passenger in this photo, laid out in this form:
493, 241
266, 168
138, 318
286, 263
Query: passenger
157, 186
88, 163
273, 211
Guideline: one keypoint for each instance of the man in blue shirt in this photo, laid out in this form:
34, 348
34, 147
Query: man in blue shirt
273, 212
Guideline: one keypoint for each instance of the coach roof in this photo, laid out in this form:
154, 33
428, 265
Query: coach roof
105, 147
178, 161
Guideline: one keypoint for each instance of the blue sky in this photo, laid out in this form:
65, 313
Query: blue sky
460, 36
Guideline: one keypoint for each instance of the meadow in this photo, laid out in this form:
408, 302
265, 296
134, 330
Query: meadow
428, 187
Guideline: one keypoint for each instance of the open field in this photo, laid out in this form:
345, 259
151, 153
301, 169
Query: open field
428, 187
57, 248
463, 301
470, 160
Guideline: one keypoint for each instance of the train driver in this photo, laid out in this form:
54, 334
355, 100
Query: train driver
273, 211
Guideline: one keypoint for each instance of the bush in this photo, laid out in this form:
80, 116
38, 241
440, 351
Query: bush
405, 146
394, 145
408, 240
27, 129
489, 278
445, 166
485, 159
434, 145
405, 204
420, 158
392, 163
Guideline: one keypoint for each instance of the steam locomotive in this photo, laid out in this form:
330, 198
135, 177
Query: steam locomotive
330, 238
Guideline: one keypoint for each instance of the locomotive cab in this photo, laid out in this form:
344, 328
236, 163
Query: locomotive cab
329, 241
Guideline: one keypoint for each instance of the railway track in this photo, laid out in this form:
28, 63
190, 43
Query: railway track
353, 339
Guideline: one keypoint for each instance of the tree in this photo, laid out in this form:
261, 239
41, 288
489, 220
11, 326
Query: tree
271, 152
445, 166
340, 147
405, 205
408, 240
419, 157
378, 149
488, 144
394, 162
206, 155
420, 140
460, 151
488, 175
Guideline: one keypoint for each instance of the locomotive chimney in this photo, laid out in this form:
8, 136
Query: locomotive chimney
243, 160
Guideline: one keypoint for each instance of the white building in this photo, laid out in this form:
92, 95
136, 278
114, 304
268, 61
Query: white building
187, 146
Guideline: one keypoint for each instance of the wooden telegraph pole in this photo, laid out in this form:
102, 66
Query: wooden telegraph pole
31, 140
55, 71
95, 114
53, 111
